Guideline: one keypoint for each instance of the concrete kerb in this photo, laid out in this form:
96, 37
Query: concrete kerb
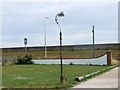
94, 73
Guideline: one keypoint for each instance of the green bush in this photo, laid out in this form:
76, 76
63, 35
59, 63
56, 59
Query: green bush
27, 59
71, 63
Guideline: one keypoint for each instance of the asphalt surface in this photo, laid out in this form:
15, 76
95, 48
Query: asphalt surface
106, 80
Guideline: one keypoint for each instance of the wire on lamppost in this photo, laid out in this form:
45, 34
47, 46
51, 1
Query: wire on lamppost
62, 79
45, 37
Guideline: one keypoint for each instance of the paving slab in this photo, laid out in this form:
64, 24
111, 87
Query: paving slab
106, 80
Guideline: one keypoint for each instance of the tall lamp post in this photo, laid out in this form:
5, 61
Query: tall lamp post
61, 14
93, 42
45, 36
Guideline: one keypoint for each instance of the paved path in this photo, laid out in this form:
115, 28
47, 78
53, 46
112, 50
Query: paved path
106, 80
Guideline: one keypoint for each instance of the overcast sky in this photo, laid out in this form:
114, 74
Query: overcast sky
26, 19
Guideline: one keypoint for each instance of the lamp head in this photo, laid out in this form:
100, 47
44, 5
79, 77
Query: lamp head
61, 14
47, 17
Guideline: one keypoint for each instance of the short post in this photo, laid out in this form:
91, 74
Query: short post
25, 43
109, 58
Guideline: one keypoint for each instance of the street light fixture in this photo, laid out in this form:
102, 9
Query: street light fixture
45, 36
61, 14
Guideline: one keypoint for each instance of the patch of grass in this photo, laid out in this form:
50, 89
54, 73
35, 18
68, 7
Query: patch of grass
43, 76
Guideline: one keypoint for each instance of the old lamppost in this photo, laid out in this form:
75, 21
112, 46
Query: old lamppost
61, 63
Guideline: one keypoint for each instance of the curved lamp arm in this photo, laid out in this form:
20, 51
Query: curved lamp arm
61, 14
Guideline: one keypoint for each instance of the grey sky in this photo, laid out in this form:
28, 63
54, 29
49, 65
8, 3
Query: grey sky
25, 19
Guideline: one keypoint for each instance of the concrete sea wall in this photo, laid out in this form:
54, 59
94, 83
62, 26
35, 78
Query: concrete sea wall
66, 47
69, 51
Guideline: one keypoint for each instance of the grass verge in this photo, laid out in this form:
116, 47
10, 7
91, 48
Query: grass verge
44, 76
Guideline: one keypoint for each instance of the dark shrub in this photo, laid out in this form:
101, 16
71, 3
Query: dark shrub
71, 63
27, 59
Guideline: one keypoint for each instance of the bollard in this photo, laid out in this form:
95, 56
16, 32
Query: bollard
109, 58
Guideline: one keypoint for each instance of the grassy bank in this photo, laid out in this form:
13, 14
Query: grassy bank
43, 76
11, 56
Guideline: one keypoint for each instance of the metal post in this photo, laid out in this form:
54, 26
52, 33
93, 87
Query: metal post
61, 76
45, 37
25, 43
25, 48
93, 43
